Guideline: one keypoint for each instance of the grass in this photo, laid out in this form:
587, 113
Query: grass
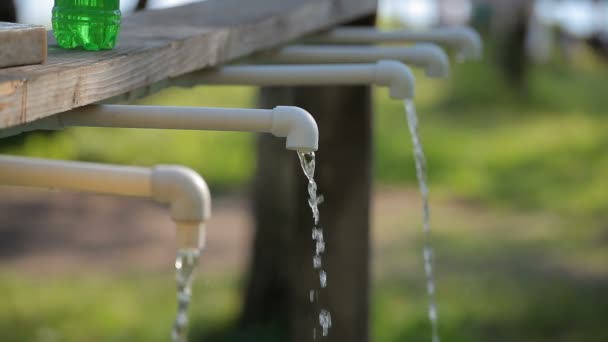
102, 307
502, 276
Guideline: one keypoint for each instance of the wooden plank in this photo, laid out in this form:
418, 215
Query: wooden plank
22, 44
155, 45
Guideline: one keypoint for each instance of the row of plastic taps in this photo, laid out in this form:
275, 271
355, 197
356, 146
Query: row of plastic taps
307, 63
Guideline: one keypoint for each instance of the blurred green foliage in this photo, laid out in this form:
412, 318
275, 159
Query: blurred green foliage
103, 307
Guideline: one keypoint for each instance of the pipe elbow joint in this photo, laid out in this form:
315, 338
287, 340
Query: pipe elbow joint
467, 41
438, 62
185, 191
398, 77
298, 126
188, 196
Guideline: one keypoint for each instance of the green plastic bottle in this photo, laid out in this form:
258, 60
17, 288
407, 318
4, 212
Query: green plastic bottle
89, 24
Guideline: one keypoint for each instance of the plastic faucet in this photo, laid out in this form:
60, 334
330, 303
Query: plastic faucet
465, 40
293, 123
183, 189
395, 75
428, 56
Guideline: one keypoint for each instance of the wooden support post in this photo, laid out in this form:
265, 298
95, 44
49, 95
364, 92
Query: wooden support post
141, 5
7, 11
281, 272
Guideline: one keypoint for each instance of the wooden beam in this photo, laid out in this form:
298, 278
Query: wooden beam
22, 44
155, 45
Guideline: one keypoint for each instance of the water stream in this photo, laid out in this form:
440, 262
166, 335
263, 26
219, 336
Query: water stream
185, 263
421, 173
307, 161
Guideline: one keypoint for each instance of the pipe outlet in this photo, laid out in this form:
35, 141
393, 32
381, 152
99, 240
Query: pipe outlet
431, 57
190, 235
465, 40
185, 191
190, 201
398, 77
298, 126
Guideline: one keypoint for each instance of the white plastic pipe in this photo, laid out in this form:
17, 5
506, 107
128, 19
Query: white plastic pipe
294, 123
428, 56
395, 75
185, 191
465, 40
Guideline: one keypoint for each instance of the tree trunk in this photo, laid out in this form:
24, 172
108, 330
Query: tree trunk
8, 11
599, 45
281, 272
141, 5
514, 55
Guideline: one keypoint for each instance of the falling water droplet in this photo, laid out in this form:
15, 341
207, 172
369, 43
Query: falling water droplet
185, 264
323, 279
317, 262
325, 321
320, 247
421, 173
307, 161
317, 234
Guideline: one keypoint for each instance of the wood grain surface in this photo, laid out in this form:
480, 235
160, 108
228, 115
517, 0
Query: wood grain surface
158, 44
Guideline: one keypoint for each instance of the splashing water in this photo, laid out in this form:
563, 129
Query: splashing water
185, 263
412, 121
307, 161
323, 279
325, 321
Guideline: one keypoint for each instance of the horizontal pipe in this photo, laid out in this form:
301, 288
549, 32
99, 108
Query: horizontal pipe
392, 74
428, 56
183, 189
278, 75
465, 40
76, 176
160, 117
294, 123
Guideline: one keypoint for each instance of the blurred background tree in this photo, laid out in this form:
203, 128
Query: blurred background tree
141, 4
7, 11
